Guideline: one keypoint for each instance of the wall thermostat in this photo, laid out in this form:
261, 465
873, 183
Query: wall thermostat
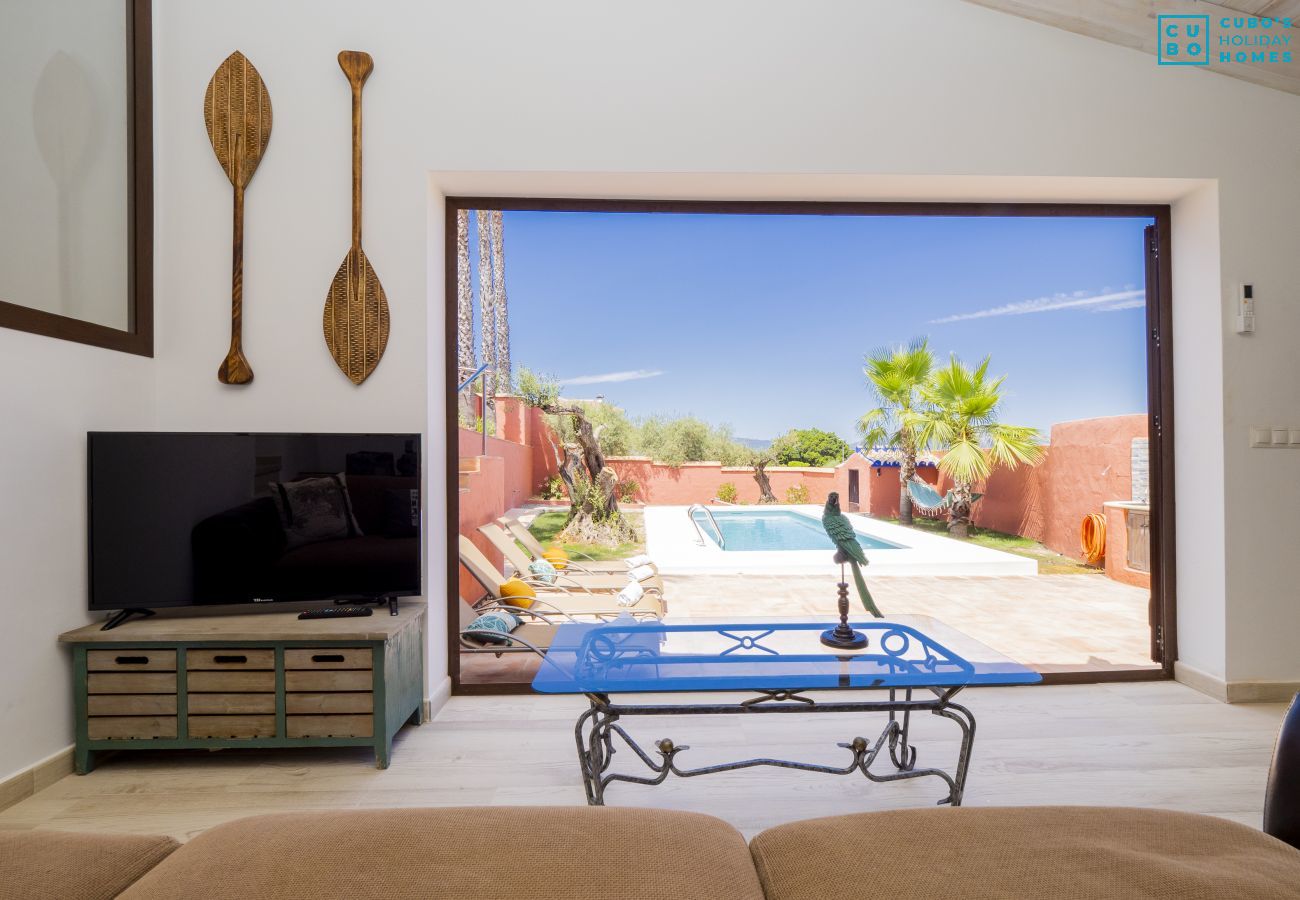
1246, 309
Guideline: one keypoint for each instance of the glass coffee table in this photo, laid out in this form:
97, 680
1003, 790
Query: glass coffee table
911, 664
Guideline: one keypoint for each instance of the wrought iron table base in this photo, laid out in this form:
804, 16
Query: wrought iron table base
598, 727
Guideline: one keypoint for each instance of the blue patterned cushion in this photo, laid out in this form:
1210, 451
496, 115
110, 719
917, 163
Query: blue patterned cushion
544, 570
492, 627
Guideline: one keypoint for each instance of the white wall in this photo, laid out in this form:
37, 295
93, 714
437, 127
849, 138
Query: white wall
774, 99
833, 89
53, 393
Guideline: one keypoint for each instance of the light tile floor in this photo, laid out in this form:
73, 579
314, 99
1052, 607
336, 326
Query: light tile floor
1054, 623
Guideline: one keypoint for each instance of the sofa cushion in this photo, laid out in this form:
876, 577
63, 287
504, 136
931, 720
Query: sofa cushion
502, 853
55, 865
1008, 853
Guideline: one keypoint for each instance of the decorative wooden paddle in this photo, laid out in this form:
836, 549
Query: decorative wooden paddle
237, 113
356, 310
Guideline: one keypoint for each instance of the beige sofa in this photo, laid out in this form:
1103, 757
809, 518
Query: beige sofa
581, 853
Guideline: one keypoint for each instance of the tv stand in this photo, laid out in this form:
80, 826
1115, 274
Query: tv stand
262, 678
121, 616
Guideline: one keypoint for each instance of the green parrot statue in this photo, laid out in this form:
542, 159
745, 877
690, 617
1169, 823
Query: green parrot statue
847, 549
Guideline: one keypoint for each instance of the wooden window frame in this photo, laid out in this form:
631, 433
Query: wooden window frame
1160, 378
137, 338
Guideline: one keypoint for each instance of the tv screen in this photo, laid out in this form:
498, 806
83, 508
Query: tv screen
180, 519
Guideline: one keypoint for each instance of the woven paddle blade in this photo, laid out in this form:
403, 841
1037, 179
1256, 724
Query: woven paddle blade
356, 317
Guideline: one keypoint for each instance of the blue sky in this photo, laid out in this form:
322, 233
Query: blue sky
761, 322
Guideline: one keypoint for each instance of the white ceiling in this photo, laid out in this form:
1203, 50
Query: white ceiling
1132, 23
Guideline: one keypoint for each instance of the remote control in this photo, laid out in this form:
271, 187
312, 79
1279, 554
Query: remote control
337, 612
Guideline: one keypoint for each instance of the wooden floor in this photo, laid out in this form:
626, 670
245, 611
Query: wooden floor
1146, 744
1052, 623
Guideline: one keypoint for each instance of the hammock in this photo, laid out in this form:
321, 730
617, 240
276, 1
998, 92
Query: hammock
929, 502
926, 500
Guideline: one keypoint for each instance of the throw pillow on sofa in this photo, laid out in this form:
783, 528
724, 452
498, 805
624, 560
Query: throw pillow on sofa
314, 509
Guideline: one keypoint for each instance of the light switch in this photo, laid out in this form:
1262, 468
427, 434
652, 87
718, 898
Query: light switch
1276, 436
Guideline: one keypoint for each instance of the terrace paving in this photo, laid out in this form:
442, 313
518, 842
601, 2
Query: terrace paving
1054, 623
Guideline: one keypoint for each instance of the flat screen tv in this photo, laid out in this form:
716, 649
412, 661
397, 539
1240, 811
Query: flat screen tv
183, 519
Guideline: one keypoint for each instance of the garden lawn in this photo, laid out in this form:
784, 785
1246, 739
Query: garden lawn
548, 524
1049, 562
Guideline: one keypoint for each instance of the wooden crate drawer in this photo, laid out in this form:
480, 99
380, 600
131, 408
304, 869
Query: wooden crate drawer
131, 683
230, 704
110, 728
131, 704
326, 680
329, 658
232, 726
227, 660
131, 660
329, 726
230, 682
329, 703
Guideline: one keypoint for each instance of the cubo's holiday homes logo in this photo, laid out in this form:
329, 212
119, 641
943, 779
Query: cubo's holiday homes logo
1184, 40
1196, 40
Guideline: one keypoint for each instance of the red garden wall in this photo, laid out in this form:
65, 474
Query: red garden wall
1087, 463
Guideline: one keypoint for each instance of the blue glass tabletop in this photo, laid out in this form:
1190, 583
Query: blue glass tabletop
633, 656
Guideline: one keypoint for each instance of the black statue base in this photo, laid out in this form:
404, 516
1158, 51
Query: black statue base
842, 637
847, 639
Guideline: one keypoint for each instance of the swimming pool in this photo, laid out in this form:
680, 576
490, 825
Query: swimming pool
773, 529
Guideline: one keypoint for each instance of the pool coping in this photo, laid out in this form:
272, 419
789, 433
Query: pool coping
672, 542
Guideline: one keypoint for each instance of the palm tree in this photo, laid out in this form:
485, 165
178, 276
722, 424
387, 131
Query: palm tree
960, 413
487, 306
895, 376
502, 336
465, 355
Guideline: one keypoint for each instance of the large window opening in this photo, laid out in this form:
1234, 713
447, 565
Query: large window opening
652, 402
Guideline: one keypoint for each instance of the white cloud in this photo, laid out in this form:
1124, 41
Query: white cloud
1122, 304
1106, 302
613, 377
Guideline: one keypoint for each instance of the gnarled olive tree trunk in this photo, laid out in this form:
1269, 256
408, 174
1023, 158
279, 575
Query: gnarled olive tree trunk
765, 494
593, 486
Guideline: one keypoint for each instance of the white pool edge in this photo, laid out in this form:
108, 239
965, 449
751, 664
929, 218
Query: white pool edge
673, 543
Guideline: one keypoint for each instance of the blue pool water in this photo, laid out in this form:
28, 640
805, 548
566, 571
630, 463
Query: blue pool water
775, 529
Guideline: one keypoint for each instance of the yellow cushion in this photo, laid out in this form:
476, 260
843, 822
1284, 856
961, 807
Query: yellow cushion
556, 556
519, 593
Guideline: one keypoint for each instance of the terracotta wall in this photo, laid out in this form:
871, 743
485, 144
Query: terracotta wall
481, 504
1088, 462
698, 482
518, 460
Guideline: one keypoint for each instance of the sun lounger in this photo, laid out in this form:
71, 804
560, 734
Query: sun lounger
583, 563
521, 563
578, 600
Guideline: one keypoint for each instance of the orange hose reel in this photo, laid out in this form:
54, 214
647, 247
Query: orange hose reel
1092, 537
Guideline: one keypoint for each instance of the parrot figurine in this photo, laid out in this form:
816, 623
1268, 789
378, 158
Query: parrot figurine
847, 549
